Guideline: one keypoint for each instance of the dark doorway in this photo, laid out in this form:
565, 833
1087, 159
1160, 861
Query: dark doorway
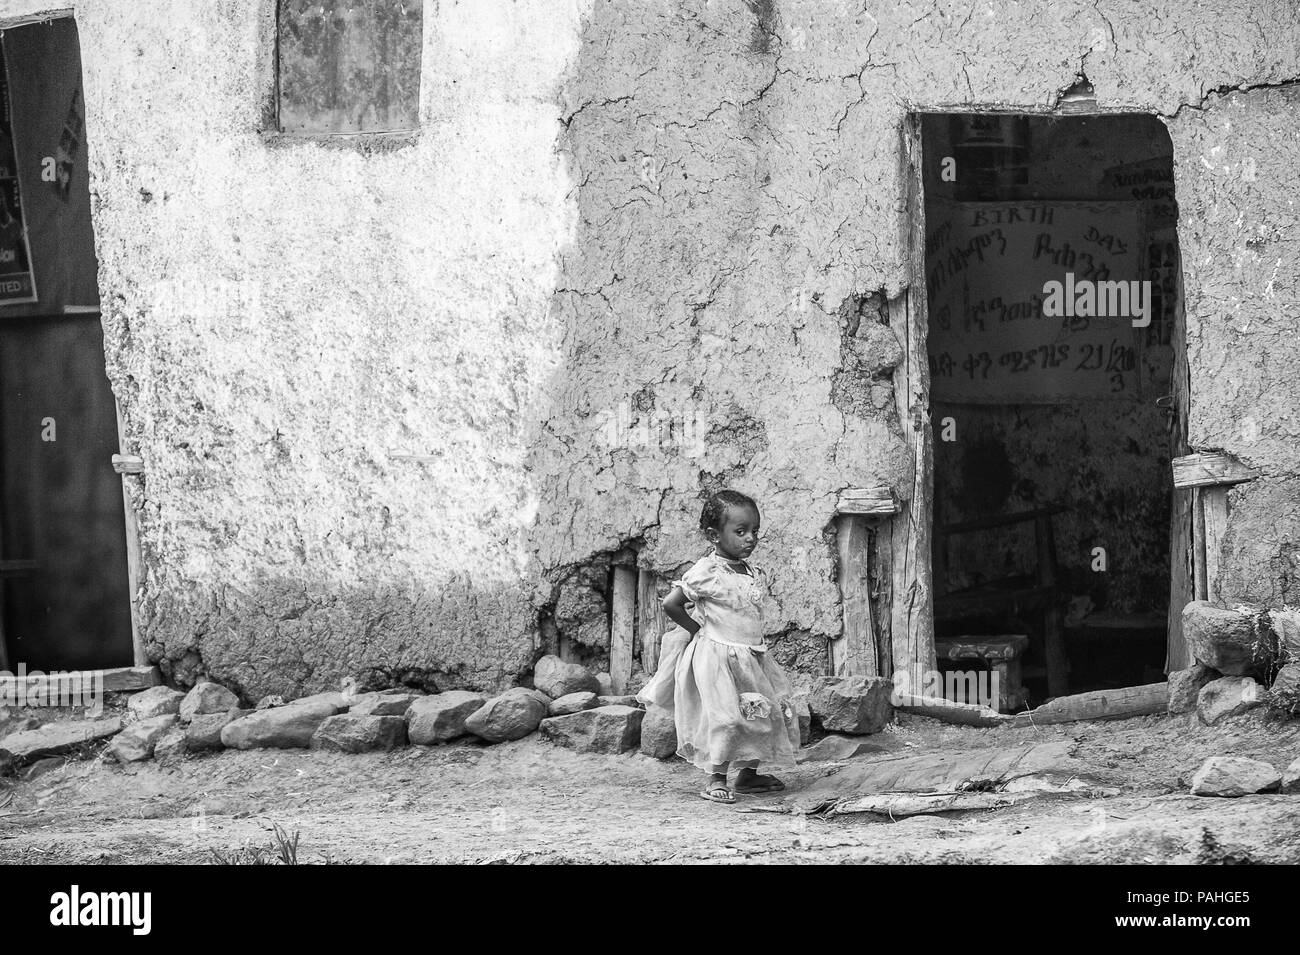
62, 529
1052, 383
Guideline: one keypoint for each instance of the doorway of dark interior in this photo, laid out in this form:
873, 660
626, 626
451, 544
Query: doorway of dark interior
65, 602
1054, 405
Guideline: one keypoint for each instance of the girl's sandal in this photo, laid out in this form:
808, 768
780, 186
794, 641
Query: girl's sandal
718, 792
761, 784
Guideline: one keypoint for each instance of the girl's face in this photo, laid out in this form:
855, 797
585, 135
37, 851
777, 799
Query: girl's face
738, 536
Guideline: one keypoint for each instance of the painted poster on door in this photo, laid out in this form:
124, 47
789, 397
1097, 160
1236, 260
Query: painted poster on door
1035, 302
17, 284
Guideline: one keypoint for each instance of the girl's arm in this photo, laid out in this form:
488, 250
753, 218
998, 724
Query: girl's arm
675, 606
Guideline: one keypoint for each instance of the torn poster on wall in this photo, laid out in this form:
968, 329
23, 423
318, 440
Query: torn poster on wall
43, 68
17, 284
1035, 302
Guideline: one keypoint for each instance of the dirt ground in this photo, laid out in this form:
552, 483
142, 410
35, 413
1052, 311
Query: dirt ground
530, 802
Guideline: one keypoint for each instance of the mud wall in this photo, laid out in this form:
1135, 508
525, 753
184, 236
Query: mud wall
618, 265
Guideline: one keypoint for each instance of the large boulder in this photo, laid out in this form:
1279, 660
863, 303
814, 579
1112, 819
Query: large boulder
1286, 624
1223, 640
53, 739
283, 727
512, 715
1185, 687
155, 701
394, 702
556, 678
606, 729
1227, 696
1234, 776
136, 743
358, 733
441, 717
658, 733
1286, 687
204, 730
856, 705
573, 703
207, 698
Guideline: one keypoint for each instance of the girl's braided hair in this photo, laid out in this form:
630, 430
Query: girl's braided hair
715, 508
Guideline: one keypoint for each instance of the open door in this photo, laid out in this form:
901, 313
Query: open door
1053, 289
64, 603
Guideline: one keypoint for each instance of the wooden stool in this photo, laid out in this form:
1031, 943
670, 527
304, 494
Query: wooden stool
1000, 653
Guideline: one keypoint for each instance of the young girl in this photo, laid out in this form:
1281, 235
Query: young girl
730, 699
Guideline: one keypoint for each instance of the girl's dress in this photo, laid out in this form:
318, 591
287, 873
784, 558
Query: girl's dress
730, 700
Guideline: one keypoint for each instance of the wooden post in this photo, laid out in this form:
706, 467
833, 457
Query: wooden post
854, 651
912, 613
1214, 502
1198, 542
651, 621
134, 563
1058, 665
622, 626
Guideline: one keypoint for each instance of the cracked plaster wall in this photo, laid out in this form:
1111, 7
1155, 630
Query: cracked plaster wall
607, 198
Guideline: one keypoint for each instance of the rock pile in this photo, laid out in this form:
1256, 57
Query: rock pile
1233, 650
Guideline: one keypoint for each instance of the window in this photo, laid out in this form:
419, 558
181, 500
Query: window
348, 66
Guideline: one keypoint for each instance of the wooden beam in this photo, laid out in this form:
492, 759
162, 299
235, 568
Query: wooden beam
854, 651
114, 680
1099, 705
134, 560
949, 711
1198, 545
651, 620
622, 627
1210, 468
1214, 501
870, 500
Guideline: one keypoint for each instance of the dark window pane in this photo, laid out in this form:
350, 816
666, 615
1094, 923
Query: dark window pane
349, 67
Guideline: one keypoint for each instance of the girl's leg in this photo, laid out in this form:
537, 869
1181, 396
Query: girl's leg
749, 779
716, 788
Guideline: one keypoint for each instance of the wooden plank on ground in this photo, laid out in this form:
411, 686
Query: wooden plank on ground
622, 627
948, 711
854, 651
113, 680
651, 621
1210, 468
1214, 500
1099, 705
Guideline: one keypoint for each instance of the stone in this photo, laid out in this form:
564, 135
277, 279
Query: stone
1286, 624
512, 715
136, 743
1234, 776
1291, 779
8, 765
628, 699
206, 698
204, 730
605, 683
53, 739
269, 701
359, 733
332, 697
852, 704
573, 703
1227, 696
658, 733
830, 749
1185, 687
1223, 640
155, 701
441, 717
42, 766
171, 747
18, 724
556, 678
282, 727
1286, 685
606, 729
385, 703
